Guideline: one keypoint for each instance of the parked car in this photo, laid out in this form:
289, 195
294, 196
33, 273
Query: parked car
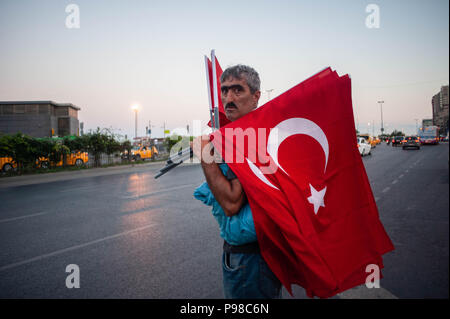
73, 159
7, 164
363, 147
397, 140
411, 141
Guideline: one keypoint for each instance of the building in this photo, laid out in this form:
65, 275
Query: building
439, 104
39, 118
427, 122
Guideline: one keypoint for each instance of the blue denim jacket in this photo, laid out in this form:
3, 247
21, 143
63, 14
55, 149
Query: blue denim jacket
238, 229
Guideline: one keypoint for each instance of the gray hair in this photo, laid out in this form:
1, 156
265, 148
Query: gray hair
238, 72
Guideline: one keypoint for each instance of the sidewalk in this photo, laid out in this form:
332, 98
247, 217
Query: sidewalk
13, 181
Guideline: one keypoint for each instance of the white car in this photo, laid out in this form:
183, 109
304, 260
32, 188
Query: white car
363, 147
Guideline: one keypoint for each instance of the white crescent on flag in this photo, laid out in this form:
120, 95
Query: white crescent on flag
281, 132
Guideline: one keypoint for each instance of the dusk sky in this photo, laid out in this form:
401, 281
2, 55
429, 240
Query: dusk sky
151, 53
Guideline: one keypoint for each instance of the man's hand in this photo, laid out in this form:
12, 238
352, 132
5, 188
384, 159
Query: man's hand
229, 194
202, 148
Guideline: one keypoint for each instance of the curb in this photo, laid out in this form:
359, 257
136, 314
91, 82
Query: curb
22, 180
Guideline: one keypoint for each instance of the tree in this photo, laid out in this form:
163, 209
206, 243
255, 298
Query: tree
101, 141
59, 151
397, 133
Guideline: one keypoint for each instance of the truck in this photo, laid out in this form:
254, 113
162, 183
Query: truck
429, 135
143, 153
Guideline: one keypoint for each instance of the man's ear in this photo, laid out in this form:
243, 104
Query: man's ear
256, 96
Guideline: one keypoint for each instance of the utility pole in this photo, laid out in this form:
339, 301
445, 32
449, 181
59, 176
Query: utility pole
381, 107
417, 128
135, 108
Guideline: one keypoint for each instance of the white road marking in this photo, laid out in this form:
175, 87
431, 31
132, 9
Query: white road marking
386, 189
401, 176
159, 191
21, 217
407, 171
65, 250
394, 181
362, 292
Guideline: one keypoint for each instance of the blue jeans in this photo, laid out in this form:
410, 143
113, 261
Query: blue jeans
247, 276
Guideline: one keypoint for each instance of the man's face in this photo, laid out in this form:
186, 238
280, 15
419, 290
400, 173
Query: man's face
237, 99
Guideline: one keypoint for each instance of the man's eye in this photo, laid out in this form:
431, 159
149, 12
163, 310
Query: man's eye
237, 90
224, 91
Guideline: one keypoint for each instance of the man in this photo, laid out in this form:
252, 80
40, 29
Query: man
245, 273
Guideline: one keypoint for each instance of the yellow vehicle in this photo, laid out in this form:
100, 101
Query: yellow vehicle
7, 164
372, 141
73, 159
143, 153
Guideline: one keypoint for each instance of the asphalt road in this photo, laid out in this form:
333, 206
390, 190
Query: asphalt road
135, 237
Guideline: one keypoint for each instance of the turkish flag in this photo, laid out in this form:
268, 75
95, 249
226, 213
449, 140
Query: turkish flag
315, 216
222, 117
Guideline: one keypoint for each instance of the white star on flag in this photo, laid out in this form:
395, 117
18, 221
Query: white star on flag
316, 198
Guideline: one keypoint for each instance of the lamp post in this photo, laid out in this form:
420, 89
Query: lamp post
381, 107
135, 108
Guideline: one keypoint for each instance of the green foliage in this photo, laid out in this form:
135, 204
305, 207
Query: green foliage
28, 152
6, 146
176, 142
76, 143
397, 133
101, 141
59, 151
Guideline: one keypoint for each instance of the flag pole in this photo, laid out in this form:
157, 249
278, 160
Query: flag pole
215, 94
208, 86
186, 154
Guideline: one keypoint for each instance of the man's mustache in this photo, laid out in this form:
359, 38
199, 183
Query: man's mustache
231, 104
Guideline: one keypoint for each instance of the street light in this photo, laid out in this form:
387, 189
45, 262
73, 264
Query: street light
381, 107
135, 108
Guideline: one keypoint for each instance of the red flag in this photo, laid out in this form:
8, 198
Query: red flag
222, 117
315, 216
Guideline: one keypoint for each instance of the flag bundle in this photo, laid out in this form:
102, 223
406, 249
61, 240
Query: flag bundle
213, 73
315, 216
